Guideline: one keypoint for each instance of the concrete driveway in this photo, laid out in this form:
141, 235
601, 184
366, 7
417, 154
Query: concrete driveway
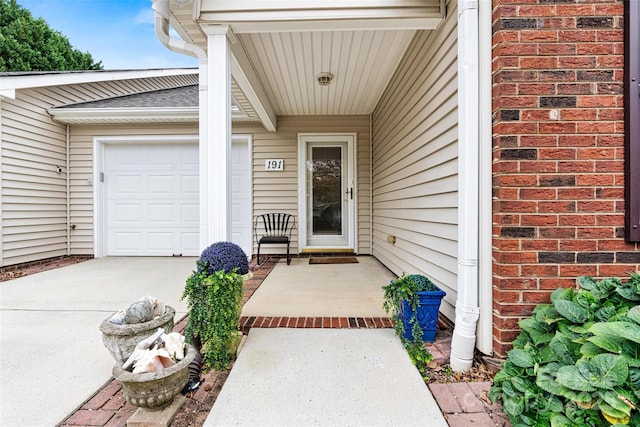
51, 353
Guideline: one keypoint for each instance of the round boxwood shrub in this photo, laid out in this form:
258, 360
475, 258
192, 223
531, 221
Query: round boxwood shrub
225, 256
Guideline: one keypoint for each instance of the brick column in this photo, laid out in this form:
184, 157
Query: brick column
558, 155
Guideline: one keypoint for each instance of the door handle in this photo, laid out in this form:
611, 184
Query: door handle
350, 193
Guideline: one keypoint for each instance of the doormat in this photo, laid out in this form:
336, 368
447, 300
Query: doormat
334, 260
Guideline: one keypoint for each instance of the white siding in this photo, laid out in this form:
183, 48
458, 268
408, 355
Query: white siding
33, 194
415, 162
279, 191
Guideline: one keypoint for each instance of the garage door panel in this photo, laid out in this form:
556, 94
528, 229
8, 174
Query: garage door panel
162, 214
146, 202
127, 241
127, 184
189, 214
127, 213
190, 241
161, 242
189, 185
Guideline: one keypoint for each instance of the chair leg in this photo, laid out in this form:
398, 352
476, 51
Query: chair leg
288, 257
258, 255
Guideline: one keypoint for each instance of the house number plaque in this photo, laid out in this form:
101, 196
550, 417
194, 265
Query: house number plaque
274, 164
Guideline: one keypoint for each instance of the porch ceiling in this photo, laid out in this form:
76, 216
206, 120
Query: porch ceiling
360, 46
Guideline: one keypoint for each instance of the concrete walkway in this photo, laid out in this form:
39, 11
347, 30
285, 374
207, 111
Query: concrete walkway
313, 377
51, 353
324, 377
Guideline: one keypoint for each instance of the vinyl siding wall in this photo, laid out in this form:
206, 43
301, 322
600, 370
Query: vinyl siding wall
278, 191
415, 162
33, 194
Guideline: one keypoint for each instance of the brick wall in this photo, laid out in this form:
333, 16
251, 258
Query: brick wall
558, 155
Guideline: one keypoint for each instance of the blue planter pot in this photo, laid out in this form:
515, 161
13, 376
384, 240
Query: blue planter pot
429, 305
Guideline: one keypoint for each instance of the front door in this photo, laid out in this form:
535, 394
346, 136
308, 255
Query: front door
327, 192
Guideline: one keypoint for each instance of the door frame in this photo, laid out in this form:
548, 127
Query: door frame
248, 217
303, 140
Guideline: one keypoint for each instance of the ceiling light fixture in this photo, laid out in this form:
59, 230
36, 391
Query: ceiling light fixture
324, 78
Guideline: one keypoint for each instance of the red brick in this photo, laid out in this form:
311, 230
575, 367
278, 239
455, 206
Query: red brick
616, 270
579, 245
576, 166
504, 296
579, 114
540, 245
538, 194
87, 417
555, 283
595, 206
578, 270
539, 270
577, 62
103, 396
537, 297
539, 220
538, 140
541, 36
560, 128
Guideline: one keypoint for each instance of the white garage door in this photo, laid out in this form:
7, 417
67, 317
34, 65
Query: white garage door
152, 199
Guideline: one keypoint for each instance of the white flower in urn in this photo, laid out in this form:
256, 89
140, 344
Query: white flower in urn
174, 344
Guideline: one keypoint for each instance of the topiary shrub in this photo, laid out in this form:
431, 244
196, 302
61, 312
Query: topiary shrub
577, 360
225, 256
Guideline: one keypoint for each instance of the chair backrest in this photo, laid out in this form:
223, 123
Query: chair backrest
274, 224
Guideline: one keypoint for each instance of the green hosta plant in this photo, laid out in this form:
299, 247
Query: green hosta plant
577, 360
215, 303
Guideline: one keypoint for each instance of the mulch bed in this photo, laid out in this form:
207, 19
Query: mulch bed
19, 270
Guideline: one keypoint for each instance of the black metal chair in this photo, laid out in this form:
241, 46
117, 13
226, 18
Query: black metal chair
274, 228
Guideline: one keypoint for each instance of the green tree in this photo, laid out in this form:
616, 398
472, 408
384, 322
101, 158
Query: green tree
28, 44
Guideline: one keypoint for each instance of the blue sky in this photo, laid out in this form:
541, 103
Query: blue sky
119, 33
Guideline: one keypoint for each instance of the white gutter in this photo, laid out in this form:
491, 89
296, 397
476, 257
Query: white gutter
163, 15
467, 311
125, 115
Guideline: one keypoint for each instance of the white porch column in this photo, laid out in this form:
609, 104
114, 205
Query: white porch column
215, 142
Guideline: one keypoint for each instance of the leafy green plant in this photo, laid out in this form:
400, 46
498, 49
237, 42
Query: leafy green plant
215, 302
577, 360
406, 288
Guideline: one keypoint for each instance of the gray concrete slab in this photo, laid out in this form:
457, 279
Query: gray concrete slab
51, 353
324, 377
323, 290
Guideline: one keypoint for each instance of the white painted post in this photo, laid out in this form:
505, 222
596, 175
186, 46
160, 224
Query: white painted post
215, 143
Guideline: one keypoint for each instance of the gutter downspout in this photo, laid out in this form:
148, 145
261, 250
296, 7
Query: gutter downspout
467, 311
485, 271
68, 195
162, 17
370, 183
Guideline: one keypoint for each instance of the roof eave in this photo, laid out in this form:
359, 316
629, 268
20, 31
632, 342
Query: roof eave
10, 83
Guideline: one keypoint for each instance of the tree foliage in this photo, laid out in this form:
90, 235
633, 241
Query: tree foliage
29, 44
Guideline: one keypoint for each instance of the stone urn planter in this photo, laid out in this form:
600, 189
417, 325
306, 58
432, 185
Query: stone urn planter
121, 340
155, 390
